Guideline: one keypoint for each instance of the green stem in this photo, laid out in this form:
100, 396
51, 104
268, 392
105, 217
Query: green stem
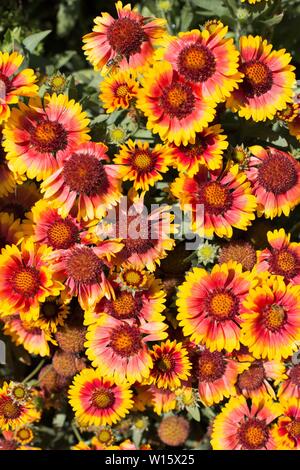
34, 372
76, 432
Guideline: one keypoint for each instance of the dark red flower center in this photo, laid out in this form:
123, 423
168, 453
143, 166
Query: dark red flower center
252, 378
83, 265
253, 434
165, 363
196, 62
26, 281
277, 173
258, 78
274, 317
85, 174
222, 304
125, 305
295, 374
178, 100
9, 409
215, 197
284, 263
5, 86
126, 36
294, 429
143, 161
211, 366
126, 340
62, 234
49, 136
102, 398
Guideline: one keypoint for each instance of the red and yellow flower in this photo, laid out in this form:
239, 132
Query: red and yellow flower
282, 258
207, 150
209, 305
219, 200
175, 109
254, 381
26, 279
270, 319
171, 365
143, 165
97, 400
84, 182
206, 58
81, 268
117, 91
40, 133
240, 426
29, 335
127, 42
290, 383
217, 375
14, 414
294, 126
142, 300
268, 80
47, 227
145, 237
11, 230
275, 176
286, 432
21, 200
120, 348
13, 82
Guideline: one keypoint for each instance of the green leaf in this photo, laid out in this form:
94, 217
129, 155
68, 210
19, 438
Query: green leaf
32, 41
194, 412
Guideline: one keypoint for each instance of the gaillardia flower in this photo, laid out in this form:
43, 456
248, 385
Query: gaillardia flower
82, 180
141, 300
29, 335
97, 400
143, 165
290, 384
49, 228
171, 365
275, 176
294, 126
26, 279
254, 381
240, 426
117, 91
7, 178
82, 270
219, 200
282, 258
270, 319
209, 305
39, 133
14, 83
120, 349
216, 374
268, 81
286, 432
208, 59
145, 237
14, 414
175, 109
127, 41
207, 149
11, 230
21, 200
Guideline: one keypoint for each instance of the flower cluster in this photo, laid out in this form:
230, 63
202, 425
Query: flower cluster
138, 336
